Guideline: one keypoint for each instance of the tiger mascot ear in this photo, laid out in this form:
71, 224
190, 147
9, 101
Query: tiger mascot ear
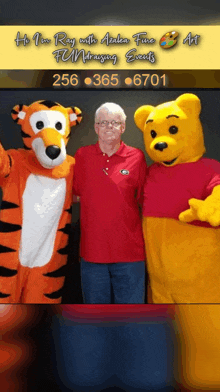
75, 115
18, 113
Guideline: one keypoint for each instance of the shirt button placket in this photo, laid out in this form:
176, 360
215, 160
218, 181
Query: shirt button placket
107, 162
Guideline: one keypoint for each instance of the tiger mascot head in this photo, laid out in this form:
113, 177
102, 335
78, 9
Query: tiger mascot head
46, 129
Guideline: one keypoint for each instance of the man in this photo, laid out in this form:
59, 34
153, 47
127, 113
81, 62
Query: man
109, 178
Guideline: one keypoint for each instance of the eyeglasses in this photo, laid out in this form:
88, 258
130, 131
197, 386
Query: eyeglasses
104, 124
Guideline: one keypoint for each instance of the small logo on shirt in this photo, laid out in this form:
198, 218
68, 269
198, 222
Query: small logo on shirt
124, 172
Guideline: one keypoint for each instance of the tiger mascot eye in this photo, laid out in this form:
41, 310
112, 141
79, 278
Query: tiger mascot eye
36, 207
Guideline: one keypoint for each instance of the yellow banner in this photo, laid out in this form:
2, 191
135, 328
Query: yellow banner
109, 47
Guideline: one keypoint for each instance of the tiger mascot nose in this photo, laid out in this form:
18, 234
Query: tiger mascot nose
53, 152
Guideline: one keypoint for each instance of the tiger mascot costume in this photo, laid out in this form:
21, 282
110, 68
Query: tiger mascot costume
36, 208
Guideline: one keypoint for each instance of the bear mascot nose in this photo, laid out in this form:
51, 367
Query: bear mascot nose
160, 146
53, 151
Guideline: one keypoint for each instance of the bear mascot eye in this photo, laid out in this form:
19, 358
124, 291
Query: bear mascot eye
173, 130
153, 134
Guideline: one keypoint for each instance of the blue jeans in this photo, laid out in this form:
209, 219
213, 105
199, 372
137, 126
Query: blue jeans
122, 282
136, 357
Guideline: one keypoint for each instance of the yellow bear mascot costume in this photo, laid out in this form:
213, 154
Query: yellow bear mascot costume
183, 258
181, 229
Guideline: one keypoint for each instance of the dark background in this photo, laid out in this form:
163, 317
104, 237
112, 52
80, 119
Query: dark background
89, 101
84, 134
110, 12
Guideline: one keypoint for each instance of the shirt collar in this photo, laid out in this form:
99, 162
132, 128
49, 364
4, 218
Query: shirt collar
121, 151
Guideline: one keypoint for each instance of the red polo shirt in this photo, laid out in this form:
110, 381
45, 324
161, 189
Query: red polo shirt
110, 189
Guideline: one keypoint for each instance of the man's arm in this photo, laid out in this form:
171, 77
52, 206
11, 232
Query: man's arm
76, 178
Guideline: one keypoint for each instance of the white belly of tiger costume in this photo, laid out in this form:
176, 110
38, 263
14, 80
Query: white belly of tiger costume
43, 202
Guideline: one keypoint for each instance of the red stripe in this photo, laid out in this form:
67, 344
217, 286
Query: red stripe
116, 312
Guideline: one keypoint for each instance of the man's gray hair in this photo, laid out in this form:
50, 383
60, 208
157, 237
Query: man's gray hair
111, 107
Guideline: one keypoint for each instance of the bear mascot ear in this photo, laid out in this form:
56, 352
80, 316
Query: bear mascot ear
75, 116
141, 116
189, 103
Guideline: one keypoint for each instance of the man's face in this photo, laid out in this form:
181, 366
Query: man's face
109, 127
